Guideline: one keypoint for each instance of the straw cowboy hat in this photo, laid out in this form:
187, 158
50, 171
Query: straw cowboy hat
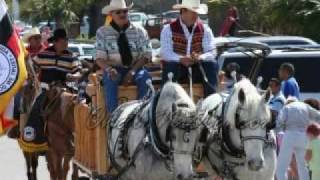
116, 5
193, 5
31, 33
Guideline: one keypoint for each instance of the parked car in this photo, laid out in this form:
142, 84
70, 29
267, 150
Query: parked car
278, 42
82, 51
138, 18
274, 42
306, 62
52, 25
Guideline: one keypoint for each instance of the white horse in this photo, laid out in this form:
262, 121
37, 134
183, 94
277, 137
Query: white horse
155, 140
238, 145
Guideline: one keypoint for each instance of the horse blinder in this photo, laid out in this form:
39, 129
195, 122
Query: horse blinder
169, 135
203, 135
238, 123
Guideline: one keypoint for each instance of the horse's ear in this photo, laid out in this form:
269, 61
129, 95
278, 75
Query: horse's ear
267, 96
241, 96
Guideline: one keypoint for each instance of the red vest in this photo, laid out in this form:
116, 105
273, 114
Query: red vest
180, 42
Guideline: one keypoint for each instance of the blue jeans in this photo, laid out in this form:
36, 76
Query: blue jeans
111, 86
180, 74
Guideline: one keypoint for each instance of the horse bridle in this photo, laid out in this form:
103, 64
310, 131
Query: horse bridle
251, 124
182, 125
239, 124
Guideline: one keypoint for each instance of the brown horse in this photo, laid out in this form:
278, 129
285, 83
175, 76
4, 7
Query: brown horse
58, 114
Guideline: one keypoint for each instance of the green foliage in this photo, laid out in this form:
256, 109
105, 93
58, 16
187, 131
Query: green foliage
289, 17
62, 11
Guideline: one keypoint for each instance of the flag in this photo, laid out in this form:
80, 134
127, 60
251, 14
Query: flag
13, 71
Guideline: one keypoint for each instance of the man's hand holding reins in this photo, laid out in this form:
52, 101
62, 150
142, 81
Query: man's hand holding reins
186, 61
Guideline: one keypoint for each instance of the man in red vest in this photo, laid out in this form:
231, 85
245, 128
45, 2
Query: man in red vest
186, 43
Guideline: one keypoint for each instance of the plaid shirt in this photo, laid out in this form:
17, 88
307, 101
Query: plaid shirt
167, 51
107, 46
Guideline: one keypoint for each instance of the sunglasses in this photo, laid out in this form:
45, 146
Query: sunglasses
121, 12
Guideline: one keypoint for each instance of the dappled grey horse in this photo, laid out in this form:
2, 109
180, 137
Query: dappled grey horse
235, 136
155, 138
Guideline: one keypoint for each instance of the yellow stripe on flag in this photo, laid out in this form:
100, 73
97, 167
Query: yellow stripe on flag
6, 119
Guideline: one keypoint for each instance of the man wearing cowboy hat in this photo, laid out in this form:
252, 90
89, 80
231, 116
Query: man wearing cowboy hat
33, 38
122, 50
54, 63
186, 43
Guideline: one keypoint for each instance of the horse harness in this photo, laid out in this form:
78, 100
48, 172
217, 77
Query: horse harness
152, 138
222, 138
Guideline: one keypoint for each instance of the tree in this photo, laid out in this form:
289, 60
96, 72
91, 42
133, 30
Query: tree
286, 17
62, 11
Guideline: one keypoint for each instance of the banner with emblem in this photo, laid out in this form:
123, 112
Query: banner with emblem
13, 71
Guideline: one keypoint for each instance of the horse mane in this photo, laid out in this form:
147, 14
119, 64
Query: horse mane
172, 93
252, 99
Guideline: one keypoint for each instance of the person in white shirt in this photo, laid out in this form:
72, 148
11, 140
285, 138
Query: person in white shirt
294, 118
187, 42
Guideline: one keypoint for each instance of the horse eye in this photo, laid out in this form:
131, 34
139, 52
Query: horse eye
183, 105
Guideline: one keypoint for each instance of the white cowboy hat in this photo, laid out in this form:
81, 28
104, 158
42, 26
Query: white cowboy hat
32, 32
116, 5
193, 5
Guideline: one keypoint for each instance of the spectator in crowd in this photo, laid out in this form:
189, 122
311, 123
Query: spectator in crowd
34, 39
276, 103
294, 118
289, 85
313, 149
231, 75
277, 100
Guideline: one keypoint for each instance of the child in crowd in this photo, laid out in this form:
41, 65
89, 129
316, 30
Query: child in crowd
313, 149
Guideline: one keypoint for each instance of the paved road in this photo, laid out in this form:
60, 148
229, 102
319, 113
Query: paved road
12, 163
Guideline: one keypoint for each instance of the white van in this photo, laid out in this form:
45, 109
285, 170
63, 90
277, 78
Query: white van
82, 51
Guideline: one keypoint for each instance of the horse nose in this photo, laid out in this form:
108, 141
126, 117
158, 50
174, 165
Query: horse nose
179, 177
255, 165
